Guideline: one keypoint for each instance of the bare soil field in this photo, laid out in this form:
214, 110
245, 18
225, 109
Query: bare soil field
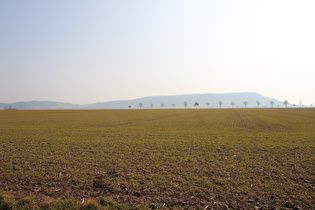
141, 159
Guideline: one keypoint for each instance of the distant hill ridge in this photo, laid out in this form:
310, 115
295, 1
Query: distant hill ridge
170, 101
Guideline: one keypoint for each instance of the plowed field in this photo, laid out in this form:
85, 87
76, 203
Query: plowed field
194, 158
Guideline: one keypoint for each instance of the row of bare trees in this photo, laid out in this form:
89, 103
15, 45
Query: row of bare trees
220, 103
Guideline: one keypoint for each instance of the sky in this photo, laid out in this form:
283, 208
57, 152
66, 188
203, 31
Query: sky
85, 52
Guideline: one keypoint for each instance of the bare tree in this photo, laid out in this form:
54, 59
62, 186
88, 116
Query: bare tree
286, 103
220, 104
140, 105
173, 105
9, 108
272, 103
232, 103
207, 104
151, 105
258, 103
185, 104
129, 106
162, 105
245, 103
196, 104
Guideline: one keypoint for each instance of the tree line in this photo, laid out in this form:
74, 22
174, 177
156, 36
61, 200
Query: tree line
220, 104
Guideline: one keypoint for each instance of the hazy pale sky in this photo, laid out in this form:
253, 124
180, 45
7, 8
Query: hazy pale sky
93, 51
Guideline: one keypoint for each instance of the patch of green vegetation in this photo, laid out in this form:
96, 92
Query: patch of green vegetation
236, 158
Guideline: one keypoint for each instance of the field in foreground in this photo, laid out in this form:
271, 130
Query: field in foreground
223, 158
